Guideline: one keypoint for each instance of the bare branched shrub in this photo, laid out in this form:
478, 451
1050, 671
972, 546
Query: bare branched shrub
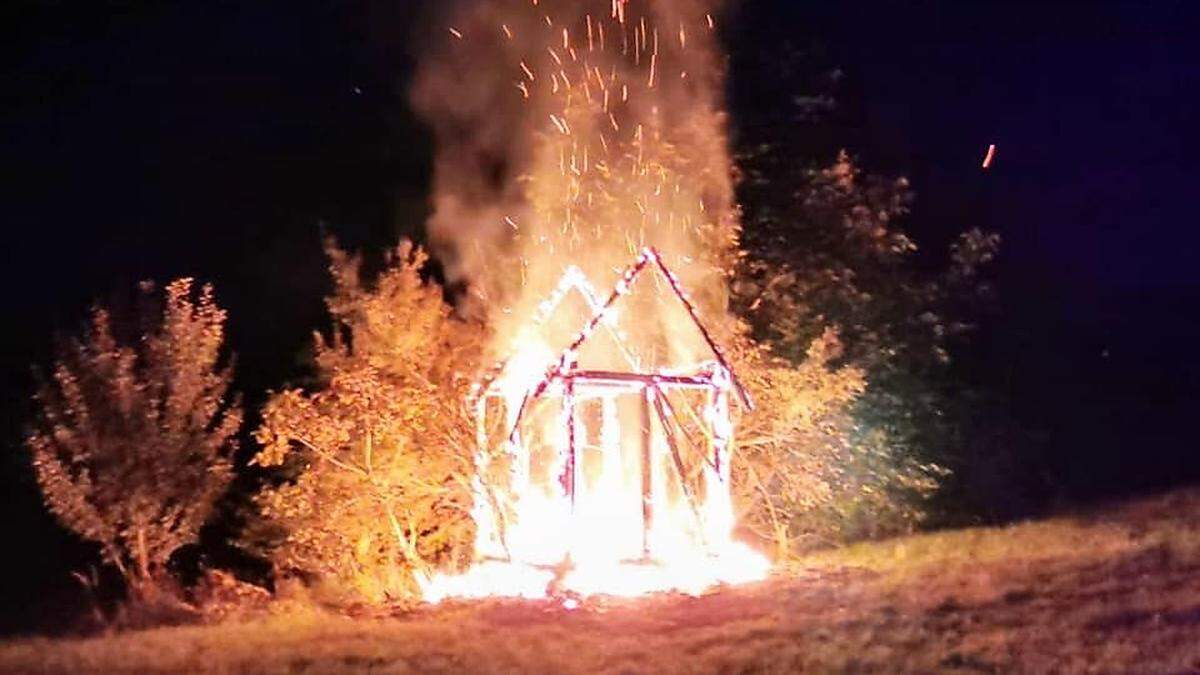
132, 443
380, 455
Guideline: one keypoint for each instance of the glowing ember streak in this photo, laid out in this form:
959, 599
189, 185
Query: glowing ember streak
991, 153
456, 33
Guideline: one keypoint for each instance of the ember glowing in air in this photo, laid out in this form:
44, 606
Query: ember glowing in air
606, 432
991, 153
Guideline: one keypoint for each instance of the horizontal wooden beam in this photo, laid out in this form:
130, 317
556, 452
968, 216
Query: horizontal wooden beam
586, 380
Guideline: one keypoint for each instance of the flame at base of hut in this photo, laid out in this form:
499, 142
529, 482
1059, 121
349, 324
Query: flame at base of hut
690, 574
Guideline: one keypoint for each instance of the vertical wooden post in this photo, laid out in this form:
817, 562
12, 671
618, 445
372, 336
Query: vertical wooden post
719, 431
570, 477
610, 444
680, 470
647, 469
521, 459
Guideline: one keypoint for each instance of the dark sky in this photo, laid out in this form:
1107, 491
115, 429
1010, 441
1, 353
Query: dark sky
220, 139
1093, 108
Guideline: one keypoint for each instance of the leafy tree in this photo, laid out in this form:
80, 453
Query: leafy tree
801, 476
380, 455
133, 440
825, 247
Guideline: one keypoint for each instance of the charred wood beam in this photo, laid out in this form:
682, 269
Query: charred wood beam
677, 460
647, 476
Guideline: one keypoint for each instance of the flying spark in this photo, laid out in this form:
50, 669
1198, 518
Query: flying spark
991, 153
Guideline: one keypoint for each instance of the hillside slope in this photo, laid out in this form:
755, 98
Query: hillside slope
1115, 590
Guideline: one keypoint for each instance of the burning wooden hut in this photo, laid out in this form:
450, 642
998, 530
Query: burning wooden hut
681, 445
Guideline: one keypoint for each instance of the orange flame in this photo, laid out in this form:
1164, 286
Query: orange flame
593, 179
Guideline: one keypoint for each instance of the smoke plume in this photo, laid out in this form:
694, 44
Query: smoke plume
575, 132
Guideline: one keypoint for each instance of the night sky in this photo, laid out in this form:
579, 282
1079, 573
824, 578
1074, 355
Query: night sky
214, 139
1093, 109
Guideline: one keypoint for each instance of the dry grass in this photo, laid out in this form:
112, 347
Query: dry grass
1111, 591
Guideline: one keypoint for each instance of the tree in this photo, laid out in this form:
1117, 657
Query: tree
379, 456
825, 247
132, 442
802, 477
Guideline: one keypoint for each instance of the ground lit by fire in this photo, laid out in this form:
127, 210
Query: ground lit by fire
1114, 591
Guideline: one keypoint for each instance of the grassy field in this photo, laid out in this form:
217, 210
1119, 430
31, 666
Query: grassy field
1113, 591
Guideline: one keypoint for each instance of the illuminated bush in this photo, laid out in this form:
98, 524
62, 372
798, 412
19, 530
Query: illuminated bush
802, 477
132, 443
380, 456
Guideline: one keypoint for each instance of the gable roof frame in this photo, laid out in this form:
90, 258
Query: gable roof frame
573, 279
649, 258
